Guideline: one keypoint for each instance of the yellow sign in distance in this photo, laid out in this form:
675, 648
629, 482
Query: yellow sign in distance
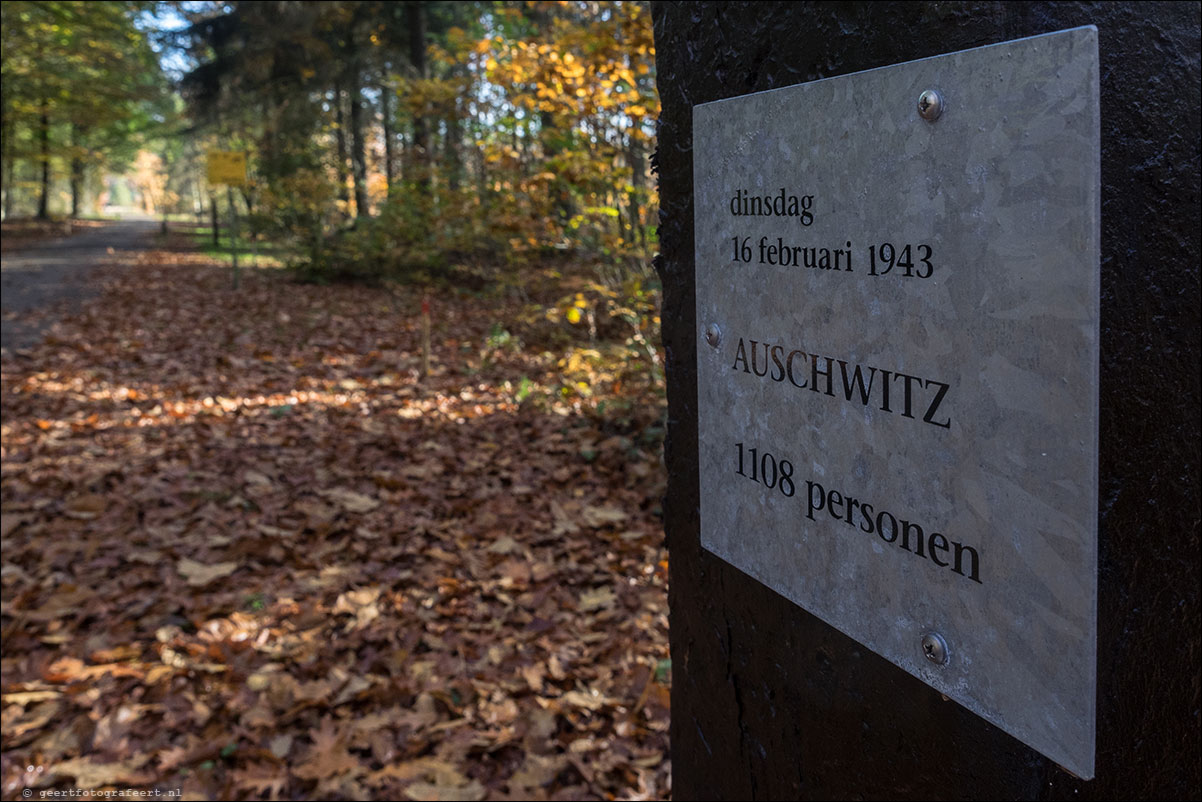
227, 167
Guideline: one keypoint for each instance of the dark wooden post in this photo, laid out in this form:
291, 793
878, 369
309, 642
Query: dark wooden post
771, 703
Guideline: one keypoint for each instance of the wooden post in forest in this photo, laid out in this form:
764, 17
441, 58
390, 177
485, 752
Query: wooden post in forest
233, 234
931, 316
229, 168
214, 220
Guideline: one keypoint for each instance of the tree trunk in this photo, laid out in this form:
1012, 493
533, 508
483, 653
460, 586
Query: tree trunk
77, 166
416, 15
358, 147
549, 138
214, 219
340, 138
634, 155
7, 166
454, 156
271, 118
475, 124
44, 135
386, 113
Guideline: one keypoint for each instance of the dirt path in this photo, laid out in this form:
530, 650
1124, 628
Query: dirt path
48, 272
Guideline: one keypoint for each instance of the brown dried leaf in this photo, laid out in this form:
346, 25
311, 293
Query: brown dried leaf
503, 545
35, 719
328, 756
86, 507
262, 779
537, 771
93, 775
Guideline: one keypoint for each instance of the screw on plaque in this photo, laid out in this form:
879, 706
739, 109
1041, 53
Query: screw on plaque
930, 105
713, 335
934, 647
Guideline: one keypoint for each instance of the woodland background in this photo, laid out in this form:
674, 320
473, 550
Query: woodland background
253, 546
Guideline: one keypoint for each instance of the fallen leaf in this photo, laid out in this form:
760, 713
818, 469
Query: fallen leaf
328, 756
589, 701
86, 507
597, 517
29, 697
281, 745
93, 775
596, 599
351, 501
537, 771
445, 793
198, 574
503, 545
262, 779
36, 718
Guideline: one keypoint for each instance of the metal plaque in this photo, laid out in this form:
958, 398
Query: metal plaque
897, 367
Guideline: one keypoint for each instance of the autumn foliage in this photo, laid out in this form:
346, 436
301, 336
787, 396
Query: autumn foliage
81, 91
393, 141
253, 548
250, 553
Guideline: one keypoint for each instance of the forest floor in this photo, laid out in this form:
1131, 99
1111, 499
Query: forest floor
249, 552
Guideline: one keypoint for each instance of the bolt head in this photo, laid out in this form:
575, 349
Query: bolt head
930, 105
934, 648
713, 335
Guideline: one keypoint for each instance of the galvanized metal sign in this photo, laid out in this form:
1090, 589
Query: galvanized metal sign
897, 367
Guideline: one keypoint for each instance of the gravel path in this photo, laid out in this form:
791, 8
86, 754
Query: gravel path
53, 271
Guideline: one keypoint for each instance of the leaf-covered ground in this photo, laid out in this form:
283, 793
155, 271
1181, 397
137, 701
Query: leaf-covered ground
249, 553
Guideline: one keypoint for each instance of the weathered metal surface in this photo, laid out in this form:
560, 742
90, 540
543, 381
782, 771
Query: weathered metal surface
915, 452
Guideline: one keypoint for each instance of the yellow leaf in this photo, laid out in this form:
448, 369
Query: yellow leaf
574, 315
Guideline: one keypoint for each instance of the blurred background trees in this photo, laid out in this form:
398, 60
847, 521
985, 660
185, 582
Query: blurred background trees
82, 86
389, 139
500, 145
